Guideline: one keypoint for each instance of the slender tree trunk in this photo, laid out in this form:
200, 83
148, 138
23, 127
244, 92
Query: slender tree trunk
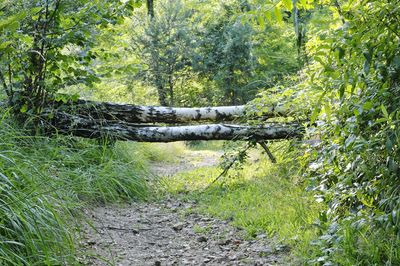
80, 126
300, 30
171, 90
150, 8
231, 85
156, 114
162, 96
296, 25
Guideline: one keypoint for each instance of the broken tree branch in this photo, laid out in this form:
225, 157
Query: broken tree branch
269, 153
158, 114
88, 128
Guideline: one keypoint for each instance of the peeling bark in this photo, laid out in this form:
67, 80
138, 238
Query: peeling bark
80, 126
158, 114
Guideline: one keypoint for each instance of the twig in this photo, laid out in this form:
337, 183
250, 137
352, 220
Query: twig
270, 155
339, 9
226, 168
134, 231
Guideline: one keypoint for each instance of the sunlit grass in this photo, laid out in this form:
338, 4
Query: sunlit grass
262, 198
213, 145
154, 152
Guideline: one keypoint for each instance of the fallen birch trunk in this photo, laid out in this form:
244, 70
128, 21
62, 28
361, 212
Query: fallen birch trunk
82, 127
157, 114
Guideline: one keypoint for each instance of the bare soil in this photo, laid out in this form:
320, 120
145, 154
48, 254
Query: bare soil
170, 232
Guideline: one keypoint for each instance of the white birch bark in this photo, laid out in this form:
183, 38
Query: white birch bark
158, 114
80, 126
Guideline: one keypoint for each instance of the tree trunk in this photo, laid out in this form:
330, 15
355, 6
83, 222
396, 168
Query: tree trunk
150, 8
171, 90
80, 126
162, 97
157, 114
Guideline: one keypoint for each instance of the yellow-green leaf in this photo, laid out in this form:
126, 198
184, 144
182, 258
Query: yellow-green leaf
288, 4
384, 111
12, 21
5, 45
278, 14
24, 108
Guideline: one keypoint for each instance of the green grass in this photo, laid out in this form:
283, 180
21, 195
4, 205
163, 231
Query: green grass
155, 152
262, 198
44, 184
199, 145
355, 241
367, 246
272, 199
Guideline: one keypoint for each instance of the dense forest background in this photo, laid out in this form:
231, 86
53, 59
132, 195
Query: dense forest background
332, 63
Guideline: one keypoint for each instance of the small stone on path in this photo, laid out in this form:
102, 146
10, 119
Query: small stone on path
178, 226
164, 233
202, 239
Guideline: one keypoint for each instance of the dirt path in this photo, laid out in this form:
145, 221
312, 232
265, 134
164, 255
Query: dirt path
170, 233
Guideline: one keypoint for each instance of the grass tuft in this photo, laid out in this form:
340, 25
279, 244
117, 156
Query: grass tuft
262, 198
44, 182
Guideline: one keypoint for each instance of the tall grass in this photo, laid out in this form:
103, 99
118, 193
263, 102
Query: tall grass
43, 184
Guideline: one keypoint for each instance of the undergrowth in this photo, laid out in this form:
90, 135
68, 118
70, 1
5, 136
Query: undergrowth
262, 198
44, 184
277, 200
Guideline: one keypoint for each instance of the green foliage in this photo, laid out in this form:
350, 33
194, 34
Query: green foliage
201, 53
198, 55
46, 45
45, 182
362, 77
276, 55
225, 55
350, 91
357, 170
165, 48
355, 242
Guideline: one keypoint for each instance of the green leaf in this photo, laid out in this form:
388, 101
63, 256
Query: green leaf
392, 165
319, 60
5, 45
24, 108
75, 97
341, 91
366, 67
389, 144
268, 15
380, 120
261, 21
12, 22
315, 114
384, 111
288, 4
278, 14
327, 109
341, 52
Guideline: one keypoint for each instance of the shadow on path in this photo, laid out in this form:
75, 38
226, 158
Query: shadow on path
169, 232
